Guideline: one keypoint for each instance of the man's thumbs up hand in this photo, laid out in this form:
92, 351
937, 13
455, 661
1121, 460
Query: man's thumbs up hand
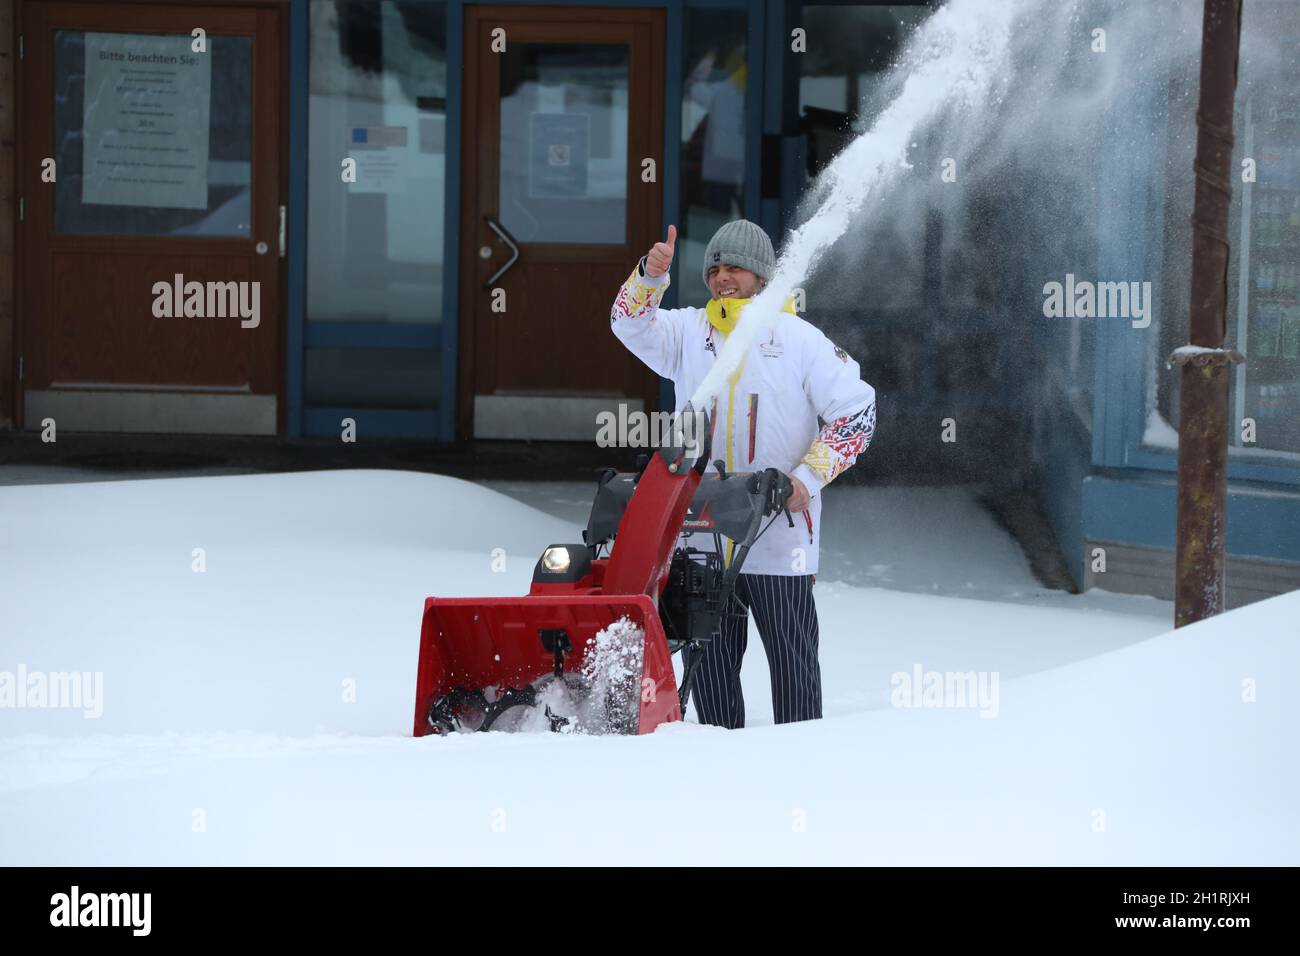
660, 257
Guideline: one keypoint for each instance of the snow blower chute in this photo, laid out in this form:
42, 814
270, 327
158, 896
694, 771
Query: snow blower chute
590, 646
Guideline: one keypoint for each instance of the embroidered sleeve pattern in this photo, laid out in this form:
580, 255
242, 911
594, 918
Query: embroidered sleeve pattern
638, 298
839, 444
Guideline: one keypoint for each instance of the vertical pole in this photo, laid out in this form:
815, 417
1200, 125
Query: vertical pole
1205, 368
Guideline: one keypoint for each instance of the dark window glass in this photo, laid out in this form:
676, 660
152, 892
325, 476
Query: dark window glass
564, 142
151, 138
713, 134
378, 98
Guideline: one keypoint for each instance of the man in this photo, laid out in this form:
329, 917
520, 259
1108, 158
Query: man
796, 403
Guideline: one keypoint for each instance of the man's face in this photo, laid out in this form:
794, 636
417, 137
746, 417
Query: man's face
732, 282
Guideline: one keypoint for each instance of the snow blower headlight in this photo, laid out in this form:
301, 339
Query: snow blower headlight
563, 563
556, 559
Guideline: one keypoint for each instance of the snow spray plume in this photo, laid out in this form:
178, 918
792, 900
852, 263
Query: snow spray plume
1081, 102
957, 57
1046, 123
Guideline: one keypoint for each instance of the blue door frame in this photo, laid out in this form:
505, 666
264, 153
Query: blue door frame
762, 113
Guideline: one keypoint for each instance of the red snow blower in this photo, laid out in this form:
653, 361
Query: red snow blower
590, 647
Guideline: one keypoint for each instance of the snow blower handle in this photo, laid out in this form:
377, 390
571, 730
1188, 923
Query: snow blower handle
774, 488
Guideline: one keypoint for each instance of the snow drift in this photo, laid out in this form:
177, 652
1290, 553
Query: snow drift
257, 711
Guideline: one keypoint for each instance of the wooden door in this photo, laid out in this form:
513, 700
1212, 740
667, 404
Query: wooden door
562, 108
153, 242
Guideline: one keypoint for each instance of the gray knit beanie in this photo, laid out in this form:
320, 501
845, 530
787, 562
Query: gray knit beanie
744, 244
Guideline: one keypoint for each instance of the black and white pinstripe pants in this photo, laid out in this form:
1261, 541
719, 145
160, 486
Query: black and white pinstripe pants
786, 616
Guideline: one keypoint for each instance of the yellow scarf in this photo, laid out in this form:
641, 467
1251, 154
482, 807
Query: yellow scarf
723, 314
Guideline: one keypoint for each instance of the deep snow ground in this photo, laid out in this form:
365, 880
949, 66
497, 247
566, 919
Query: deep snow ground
258, 711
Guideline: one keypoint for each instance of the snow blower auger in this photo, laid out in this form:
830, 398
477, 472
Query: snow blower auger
590, 647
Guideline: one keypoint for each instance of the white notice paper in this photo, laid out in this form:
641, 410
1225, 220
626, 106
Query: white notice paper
145, 125
383, 156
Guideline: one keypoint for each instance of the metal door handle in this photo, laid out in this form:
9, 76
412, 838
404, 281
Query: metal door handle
500, 230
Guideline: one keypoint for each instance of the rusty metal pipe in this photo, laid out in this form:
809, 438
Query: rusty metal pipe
1203, 400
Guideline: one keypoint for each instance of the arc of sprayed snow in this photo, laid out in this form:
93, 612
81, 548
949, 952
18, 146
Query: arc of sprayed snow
956, 58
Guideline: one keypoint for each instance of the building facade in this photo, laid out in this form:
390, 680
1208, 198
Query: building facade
270, 218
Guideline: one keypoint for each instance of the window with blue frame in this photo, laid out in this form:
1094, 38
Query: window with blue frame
375, 219
1263, 311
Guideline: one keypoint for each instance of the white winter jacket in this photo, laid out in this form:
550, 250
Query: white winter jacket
769, 416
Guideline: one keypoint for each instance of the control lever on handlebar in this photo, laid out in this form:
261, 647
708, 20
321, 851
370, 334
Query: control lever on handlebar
775, 489
784, 489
